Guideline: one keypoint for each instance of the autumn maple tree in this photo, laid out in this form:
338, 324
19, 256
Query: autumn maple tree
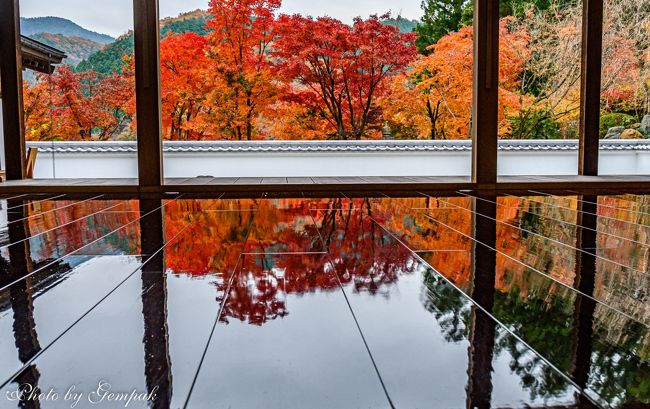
239, 41
435, 96
243, 71
339, 70
185, 84
78, 106
37, 110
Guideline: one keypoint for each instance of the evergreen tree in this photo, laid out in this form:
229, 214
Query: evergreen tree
440, 18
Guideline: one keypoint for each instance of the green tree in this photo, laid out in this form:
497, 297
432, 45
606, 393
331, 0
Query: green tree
440, 18
517, 8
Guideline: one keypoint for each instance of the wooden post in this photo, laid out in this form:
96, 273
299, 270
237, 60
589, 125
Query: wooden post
146, 34
12, 89
485, 96
591, 62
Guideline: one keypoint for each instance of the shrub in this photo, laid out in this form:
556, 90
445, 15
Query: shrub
614, 119
533, 124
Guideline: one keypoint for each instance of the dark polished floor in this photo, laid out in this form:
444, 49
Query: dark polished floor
338, 302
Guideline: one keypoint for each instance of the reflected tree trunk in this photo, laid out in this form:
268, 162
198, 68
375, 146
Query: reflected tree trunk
483, 327
21, 294
584, 308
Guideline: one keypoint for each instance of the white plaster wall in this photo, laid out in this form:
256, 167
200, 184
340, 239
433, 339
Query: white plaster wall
317, 164
178, 164
537, 163
86, 165
624, 163
120, 165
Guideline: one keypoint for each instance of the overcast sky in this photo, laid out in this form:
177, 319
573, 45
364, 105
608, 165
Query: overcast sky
114, 17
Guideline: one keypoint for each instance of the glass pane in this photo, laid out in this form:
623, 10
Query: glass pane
79, 88
625, 88
539, 87
303, 88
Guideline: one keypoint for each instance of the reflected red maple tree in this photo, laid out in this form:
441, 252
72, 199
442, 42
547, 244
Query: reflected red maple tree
61, 227
232, 240
360, 253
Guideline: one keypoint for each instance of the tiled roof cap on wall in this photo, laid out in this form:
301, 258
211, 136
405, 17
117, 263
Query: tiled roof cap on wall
378, 146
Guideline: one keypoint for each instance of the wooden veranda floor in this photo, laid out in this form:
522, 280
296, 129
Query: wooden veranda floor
326, 184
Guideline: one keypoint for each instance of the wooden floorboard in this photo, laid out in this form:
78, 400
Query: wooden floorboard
223, 181
202, 180
300, 181
249, 181
274, 181
351, 180
329, 184
326, 181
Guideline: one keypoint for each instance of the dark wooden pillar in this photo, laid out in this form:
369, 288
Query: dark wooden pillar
482, 326
147, 91
592, 49
485, 96
12, 89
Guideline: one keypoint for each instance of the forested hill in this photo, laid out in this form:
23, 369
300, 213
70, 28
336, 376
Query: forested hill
405, 25
58, 25
76, 48
110, 59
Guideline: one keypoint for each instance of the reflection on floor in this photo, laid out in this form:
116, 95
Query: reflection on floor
375, 302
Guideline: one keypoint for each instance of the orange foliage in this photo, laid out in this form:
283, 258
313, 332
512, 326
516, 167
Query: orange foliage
433, 100
185, 82
621, 75
78, 106
288, 119
243, 83
258, 76
213, 234
70, 228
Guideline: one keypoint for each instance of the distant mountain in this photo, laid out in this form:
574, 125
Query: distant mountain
192, 22
403, 24
110, 58
58, 25
76, 48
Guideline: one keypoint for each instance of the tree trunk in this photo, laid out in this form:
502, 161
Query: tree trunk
340, 130
433, 118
